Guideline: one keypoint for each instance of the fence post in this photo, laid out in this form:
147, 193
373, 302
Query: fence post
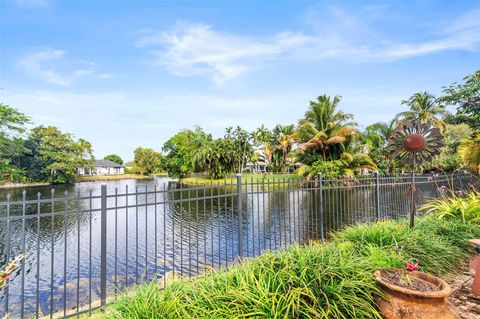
240, 215
103, 245
320, 206
377, 195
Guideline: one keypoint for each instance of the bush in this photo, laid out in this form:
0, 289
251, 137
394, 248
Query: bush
329, 169
332, 280
455, 206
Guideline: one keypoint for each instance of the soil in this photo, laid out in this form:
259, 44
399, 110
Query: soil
467, 303
410, 283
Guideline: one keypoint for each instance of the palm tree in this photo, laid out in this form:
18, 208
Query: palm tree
423, 108
346, 166
357, 163
469, 151
228, 132
324, 129
284, 140
377, 134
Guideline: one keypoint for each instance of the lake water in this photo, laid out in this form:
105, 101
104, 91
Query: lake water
167, 230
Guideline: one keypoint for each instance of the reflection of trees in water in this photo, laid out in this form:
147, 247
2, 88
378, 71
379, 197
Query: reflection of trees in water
40, 228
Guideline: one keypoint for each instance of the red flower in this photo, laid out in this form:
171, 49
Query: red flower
411, 266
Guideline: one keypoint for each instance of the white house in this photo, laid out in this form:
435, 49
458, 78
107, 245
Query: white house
102, 167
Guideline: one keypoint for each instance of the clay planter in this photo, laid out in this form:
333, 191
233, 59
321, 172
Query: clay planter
404, 303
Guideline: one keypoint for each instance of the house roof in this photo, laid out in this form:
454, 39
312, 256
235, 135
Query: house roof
105, 163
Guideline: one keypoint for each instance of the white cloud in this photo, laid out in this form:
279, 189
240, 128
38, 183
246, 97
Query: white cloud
55, 67
196, 49
199, 50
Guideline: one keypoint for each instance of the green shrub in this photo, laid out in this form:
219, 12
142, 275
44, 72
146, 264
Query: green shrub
455, 206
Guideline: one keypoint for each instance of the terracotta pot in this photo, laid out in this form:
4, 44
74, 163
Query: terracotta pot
404, 303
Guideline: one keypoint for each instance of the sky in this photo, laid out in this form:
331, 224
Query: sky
123, 74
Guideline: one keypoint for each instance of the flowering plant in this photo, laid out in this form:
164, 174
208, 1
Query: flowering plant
411, 266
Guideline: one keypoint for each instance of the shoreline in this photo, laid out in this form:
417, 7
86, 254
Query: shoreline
20, 185
106, 178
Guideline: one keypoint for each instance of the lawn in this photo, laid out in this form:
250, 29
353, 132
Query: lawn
246, 178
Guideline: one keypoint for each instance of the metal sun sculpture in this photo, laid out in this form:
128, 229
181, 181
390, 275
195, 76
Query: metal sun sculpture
414, 143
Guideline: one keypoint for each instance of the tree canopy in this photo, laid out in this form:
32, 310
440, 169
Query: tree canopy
179, 151
55, 156
466, 97
114, 158
147, 161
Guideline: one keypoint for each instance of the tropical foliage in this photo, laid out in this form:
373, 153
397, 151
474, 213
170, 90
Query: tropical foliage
179, 151
325, 130
455, 206
469, 151
466, 97
423, 107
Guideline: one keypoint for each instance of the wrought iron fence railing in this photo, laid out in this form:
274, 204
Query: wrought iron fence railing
84, 247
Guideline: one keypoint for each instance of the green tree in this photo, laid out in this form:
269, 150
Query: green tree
466, 97
376, 135
375, 140
55, 156
424, 108
147, 161
114, 158
455, 133
12, 125
324, 131
215, 158
179, 151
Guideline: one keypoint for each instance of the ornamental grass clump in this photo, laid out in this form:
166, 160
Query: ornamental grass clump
455, 206
316, 281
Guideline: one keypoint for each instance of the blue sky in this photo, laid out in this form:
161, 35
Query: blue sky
127, 73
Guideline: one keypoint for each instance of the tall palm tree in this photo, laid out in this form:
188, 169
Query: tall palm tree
469, 151
424, 108
228, 132
264, 134
324, 129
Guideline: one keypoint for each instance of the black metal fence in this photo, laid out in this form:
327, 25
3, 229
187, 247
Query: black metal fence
82, 248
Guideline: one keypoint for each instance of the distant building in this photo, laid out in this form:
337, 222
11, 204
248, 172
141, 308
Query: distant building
102, 167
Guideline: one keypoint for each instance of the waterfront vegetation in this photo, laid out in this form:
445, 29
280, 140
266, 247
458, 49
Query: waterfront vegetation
329, 280
326, 140
248, 177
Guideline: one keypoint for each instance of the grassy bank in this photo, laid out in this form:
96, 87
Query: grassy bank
192, 181
333, 280
100, 178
